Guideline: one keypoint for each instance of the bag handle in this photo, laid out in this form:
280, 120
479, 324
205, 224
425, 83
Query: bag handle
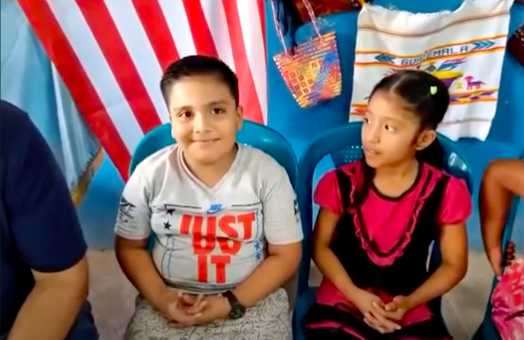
278, 27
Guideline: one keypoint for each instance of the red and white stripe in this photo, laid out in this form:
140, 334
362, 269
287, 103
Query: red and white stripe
111, 53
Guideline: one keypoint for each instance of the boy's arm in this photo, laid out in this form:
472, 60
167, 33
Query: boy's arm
501, 181
132, 239
283, 232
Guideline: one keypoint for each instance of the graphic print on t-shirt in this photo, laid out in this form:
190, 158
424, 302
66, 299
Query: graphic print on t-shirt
125, 210
210, 245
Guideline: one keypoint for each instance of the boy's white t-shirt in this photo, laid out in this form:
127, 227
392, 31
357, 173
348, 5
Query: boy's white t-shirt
209, 238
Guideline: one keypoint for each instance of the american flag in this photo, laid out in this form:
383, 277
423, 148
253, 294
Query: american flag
111, 53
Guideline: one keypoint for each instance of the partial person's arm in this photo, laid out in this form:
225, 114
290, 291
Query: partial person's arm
283, 232
502, 180
132, 239
454, 248
47, 235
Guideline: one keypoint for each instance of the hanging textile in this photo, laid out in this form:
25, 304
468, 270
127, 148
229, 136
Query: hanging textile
29, 81
311, 70
111, 53
464, 48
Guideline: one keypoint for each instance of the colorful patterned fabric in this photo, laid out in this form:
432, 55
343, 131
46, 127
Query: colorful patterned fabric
507, 302
311, 70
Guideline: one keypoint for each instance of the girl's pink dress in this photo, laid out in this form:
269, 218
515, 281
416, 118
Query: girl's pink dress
380, 237
507, 302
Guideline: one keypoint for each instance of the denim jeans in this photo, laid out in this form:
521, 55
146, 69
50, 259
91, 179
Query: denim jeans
84, 327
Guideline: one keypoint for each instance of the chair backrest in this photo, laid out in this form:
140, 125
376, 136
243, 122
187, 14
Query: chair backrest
344, 145
253, 134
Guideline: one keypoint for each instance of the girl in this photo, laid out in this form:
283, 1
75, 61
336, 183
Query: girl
379, 216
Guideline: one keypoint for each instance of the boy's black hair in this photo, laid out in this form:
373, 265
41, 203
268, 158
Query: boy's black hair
428, 98
199, 65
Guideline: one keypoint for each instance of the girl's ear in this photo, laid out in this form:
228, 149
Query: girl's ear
425, 139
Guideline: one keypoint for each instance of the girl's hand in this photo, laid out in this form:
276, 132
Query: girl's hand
495, 258
394, 310
365, 302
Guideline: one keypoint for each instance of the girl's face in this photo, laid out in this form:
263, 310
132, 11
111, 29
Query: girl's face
391, 131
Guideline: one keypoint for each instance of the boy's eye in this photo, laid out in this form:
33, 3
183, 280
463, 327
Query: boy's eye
388, 127
366, 120
185, 114
217, 111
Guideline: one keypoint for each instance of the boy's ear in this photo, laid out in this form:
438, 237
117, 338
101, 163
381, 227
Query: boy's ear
240, 116
425, 139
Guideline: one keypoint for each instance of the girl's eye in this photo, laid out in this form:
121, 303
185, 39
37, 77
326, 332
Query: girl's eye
366, 120
185, 114
217, 111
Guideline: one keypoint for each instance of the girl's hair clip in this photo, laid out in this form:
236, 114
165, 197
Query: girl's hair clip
433, 90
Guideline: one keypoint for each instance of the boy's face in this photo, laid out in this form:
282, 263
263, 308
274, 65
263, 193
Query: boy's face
204, 118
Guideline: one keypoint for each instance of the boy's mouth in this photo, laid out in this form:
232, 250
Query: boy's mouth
205, 141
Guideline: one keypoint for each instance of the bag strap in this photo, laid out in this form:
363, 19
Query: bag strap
278, 27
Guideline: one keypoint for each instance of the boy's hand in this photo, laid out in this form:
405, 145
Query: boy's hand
217, 307
182, 309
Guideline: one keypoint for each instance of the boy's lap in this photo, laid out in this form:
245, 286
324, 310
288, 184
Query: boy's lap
268, 320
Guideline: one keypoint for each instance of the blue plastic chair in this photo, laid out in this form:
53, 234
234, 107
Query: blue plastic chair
253, 134
343, 145
487, 329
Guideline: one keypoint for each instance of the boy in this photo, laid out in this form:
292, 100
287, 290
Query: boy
503, 179
227, 233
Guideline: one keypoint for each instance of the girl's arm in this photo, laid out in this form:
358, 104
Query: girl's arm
501, 181
326, 261
454, 248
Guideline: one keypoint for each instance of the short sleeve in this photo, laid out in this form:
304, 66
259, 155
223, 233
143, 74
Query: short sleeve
327, 193
133, 221
457, 203
40, 213
280, 208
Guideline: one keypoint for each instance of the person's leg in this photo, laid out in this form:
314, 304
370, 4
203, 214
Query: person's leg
502, 180
84, 327
268, 320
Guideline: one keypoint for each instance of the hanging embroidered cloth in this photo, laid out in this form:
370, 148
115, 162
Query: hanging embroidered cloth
464, 48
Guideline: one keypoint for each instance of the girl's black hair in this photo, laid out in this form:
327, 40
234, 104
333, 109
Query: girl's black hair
428, 98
